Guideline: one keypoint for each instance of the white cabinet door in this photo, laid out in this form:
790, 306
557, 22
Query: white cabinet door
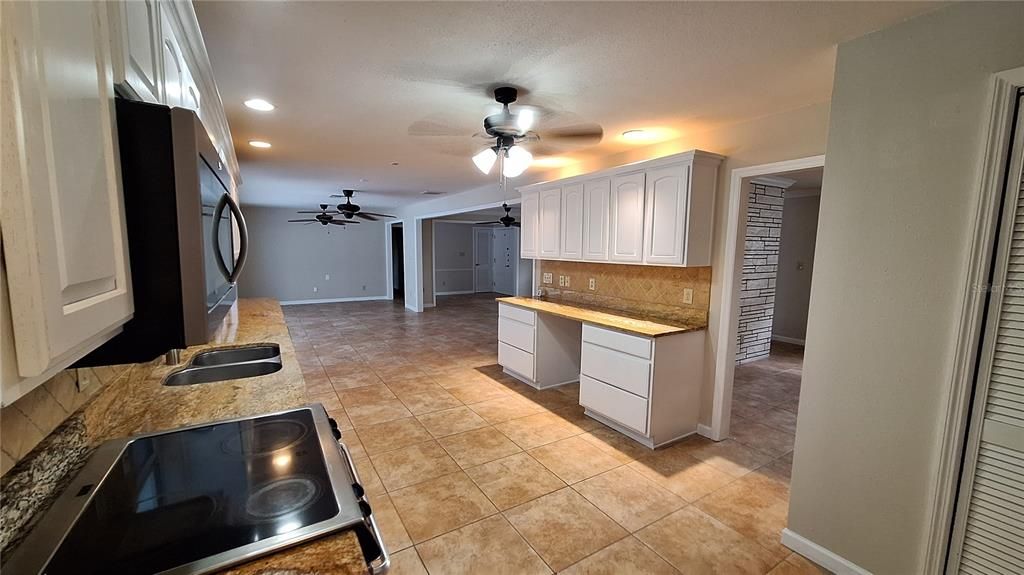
172, 65
136, 48
190, 92
550, 223
665, 221
530, 221
595, 219
627, 218
572, 222
63, 218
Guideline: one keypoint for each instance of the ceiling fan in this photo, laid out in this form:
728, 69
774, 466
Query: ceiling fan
350, 210
323, 217
507, 220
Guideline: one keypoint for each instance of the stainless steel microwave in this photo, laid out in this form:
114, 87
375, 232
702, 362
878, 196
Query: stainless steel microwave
181, 245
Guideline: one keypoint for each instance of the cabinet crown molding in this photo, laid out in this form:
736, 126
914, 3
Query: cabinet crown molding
697, 156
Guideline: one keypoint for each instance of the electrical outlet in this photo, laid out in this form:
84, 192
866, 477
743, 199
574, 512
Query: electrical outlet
315, 289
561, 281
547, 277
327, 277
687, 295
592, 284
364, 288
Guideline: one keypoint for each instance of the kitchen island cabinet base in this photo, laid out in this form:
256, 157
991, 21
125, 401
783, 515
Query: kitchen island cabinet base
639, 438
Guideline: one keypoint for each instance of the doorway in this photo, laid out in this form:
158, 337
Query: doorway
397, 263
483, 260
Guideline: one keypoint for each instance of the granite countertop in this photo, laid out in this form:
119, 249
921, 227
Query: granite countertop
604, 317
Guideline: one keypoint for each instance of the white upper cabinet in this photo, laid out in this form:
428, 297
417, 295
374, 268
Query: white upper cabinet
173, 66
63, 219
626, 224
530, 216
666, 215
595, 219
572, 222
135, 29
549, 234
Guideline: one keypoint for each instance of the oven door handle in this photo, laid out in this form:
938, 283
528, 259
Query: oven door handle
243, 238
377, 565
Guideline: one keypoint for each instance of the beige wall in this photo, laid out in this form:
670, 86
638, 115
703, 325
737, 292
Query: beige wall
909, 110
796, 251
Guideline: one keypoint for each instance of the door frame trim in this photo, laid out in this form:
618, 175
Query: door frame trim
736, 229
991, 169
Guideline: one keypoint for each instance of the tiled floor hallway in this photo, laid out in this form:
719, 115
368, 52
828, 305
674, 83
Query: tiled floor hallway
470, 471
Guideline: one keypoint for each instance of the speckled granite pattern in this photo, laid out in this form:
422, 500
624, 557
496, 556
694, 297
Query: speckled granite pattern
604, 317
139, 403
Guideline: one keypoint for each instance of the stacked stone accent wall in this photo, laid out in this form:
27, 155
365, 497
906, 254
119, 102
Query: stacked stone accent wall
760, 265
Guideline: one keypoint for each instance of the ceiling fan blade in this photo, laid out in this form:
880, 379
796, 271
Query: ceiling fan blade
365, 216
316, 212
339, 223
303, 220
376, 215
486, 223
579, 134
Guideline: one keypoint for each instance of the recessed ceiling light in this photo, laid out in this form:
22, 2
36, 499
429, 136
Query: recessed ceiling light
259, 144
553, 162
431, 193
394, 163
259, 104
638, 135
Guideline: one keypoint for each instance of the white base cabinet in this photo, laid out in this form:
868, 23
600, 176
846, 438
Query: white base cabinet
540, 350
658, 212
647, 388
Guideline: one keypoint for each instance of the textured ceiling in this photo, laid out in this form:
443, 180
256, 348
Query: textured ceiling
351, 79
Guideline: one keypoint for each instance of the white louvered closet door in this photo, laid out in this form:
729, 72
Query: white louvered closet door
988, 534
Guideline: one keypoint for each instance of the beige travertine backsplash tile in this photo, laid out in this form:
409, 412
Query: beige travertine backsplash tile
32, 417
655, 291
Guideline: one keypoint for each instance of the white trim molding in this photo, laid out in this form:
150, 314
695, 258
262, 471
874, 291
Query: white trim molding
991, 170
462, 292
736, 229
773, 181
820, 555
335, 300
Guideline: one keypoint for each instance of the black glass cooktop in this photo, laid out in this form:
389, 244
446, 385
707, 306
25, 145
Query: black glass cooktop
178, 497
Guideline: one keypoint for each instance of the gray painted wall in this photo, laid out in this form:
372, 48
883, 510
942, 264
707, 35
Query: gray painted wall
793, 284
287, 260
453, 257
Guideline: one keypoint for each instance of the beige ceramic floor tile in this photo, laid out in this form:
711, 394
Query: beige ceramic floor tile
681, 474
373, 413
629, 498
761, 437
779, 470
731, 457
344, 377
695, 542
392, 435
429, 401
413, 464
536, 430
406, 562
513, 480
351, 440
755, 506
781, 419
451, 421
617, 445
505, 408
440, 505
564, 527
365, 395
392, 531
626, 557
574, 459
796, 564
410, 386
489, 546
477, 391
368, 477
478, 446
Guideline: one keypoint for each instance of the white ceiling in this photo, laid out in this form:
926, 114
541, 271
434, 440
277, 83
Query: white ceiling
349, 79
485, 215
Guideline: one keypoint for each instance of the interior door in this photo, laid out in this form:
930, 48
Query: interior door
504, 264
483, 260
988, 534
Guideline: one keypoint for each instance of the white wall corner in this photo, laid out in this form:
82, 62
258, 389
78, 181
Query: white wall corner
820, 555
773, 181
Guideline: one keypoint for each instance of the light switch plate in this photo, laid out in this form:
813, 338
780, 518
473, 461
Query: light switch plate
547, 277
592, 284
314, 289
327, 277
687, 295
561, 281
567, 278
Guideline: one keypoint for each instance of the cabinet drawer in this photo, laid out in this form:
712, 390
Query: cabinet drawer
624, 371
631, 344
612, 402
517, 313
515, 333
516, 360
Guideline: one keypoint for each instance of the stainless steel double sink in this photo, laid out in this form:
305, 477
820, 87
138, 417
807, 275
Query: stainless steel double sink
228, 363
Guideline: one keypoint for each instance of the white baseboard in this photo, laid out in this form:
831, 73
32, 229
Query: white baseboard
706, 431
820, 555
785, 339
454, 292
334, 300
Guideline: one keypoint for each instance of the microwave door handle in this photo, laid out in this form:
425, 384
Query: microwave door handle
243, 244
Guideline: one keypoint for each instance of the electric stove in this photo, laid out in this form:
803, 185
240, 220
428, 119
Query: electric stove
201, 498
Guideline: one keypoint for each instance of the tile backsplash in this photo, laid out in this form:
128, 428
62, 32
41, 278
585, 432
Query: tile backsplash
649, 291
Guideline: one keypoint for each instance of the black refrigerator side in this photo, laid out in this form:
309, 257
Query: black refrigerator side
150, 186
